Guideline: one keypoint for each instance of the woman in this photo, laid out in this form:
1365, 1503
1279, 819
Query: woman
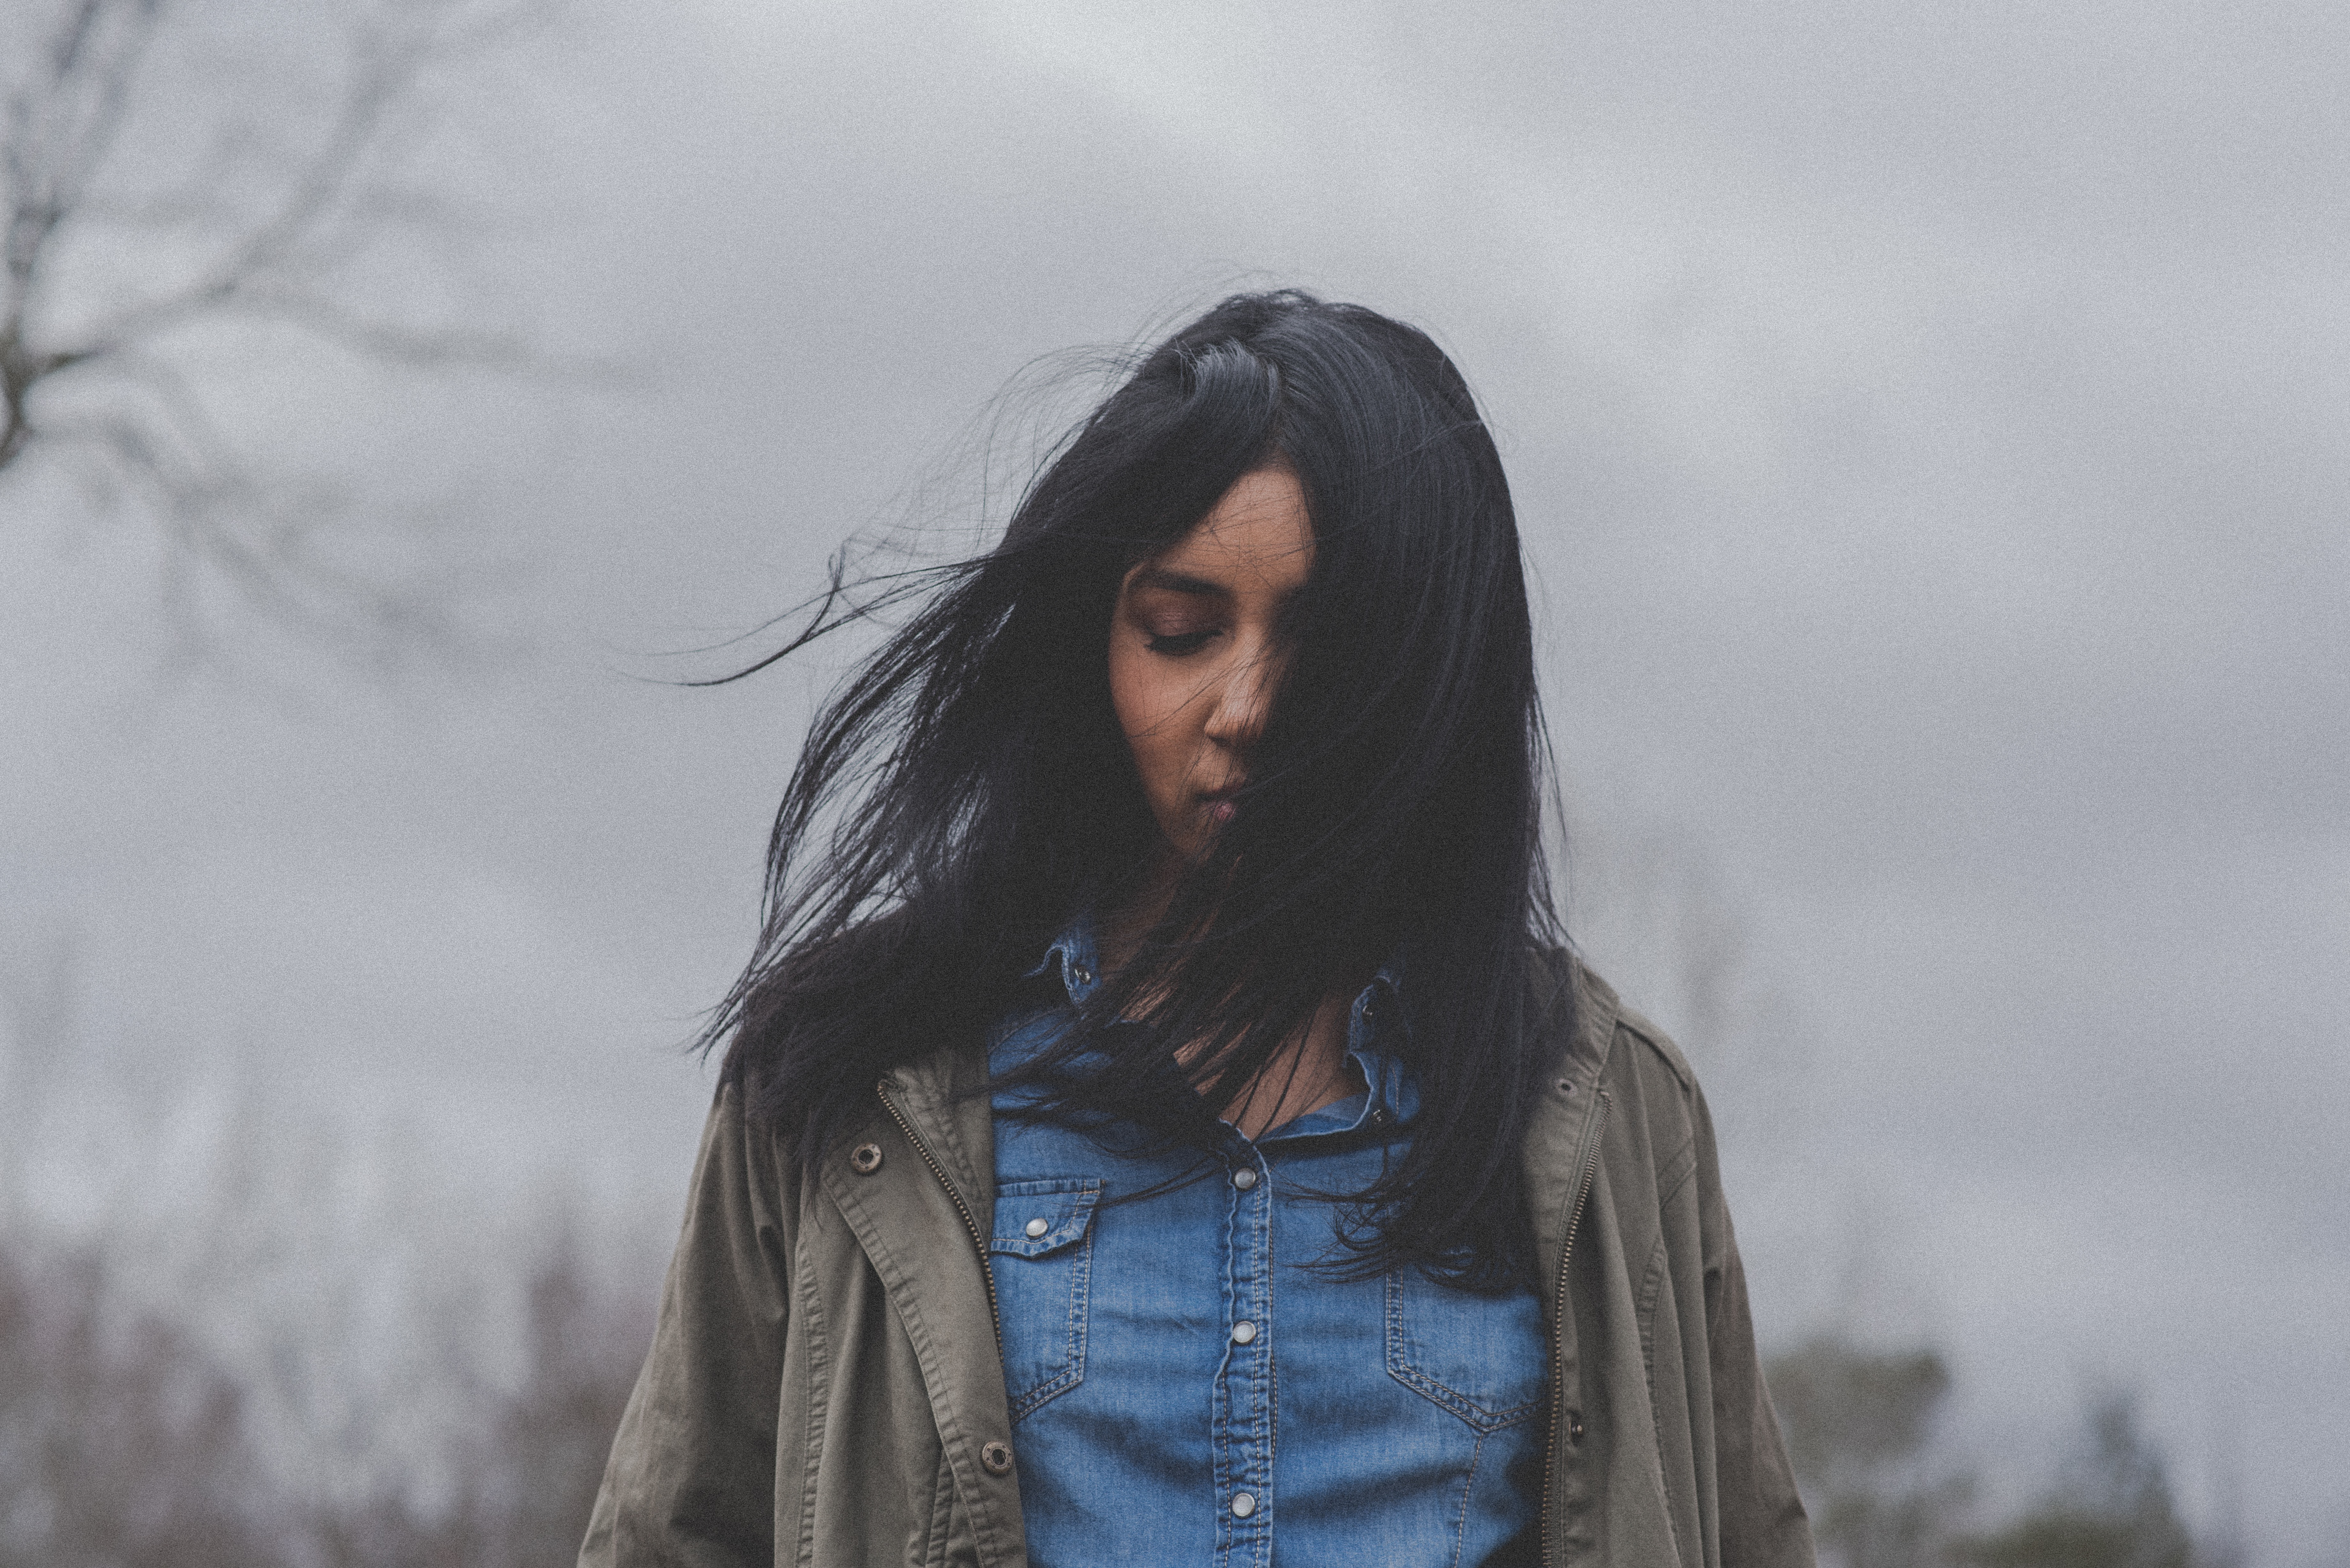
1162, 1123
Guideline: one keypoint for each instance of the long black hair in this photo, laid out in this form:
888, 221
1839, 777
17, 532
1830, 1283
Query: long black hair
967, 791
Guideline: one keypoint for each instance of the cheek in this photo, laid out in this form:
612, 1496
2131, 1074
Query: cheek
1147, 700
1126, 691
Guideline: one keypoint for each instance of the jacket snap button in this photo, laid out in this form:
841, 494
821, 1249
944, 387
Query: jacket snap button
1567, 1086
1574, 1428
865, 1158
996, 1457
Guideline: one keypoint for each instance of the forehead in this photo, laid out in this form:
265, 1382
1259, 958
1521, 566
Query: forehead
1256, 539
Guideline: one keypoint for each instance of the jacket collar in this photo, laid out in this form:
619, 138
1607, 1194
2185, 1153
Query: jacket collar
944, 1095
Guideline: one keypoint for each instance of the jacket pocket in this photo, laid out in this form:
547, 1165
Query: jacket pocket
1042, 1255
1481, 1357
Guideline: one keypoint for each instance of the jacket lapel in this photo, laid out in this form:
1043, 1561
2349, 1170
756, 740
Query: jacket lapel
907, 1221
1566, 1111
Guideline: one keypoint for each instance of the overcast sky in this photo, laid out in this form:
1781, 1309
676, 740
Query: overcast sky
1927, 424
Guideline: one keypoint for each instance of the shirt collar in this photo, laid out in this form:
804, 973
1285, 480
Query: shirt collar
1075, 957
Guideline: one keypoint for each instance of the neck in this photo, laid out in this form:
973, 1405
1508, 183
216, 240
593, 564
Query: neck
1311, 1070
1123, 928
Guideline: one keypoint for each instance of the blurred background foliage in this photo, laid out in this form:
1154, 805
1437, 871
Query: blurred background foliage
124, 1441
1886, 1490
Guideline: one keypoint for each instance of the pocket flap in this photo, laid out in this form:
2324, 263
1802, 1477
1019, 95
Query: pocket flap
1034, 1218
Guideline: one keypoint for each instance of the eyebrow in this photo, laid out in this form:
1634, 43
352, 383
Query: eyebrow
1177, 583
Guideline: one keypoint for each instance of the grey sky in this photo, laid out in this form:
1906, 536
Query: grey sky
1928, 427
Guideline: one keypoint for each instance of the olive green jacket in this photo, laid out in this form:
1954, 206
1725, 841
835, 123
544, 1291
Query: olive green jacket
825, 1386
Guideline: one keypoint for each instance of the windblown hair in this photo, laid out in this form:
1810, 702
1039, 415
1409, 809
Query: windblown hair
967, 792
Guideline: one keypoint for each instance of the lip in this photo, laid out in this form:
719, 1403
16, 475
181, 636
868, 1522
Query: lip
1217, 802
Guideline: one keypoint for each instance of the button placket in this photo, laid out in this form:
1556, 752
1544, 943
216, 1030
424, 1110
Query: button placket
1243, 1396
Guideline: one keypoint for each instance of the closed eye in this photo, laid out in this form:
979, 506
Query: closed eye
1176, 645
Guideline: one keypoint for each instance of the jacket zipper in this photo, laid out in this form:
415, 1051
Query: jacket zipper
977, 1237
1558, 1322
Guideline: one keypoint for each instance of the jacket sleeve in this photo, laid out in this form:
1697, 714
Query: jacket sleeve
690, 1480
1762, 1521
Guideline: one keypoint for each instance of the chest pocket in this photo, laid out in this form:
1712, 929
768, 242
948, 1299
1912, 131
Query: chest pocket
1042, 1256
1481, 1357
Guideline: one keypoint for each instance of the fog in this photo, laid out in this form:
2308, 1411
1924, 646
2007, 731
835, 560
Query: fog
1927, 425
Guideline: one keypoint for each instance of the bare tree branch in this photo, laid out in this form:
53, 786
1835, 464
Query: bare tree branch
390, 342
62, 125
134, 423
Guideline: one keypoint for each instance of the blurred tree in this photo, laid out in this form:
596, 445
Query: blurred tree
1860, 1428
551, 1437
148, 213
533, 1467
2113, 1511
122, 1446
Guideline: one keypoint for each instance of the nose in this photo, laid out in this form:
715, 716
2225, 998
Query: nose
1242, 699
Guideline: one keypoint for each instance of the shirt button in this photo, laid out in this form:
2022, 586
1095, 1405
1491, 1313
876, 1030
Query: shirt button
1038, 1227
1243, 1505
1243, 1332
1244, 1178
1081, 974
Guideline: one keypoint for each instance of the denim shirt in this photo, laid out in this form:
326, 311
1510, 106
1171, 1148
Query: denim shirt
1184, 1388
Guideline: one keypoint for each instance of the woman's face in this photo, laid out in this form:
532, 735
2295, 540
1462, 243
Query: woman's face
1195, 652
